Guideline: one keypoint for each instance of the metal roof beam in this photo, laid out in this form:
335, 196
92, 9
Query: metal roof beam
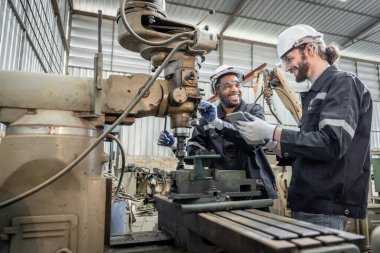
272, 22
195, 7
60, 24
71, 4
338, 8
246, 17
93, 14
359, 36
253, 42
234, 15
301, 1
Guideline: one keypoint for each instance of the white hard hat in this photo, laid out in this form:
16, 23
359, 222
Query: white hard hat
222, 70
297, 35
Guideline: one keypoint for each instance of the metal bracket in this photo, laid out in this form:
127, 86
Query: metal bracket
200, 159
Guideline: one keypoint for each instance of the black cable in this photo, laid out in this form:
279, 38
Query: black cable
122, 163
258, 97
274, 113
286, 95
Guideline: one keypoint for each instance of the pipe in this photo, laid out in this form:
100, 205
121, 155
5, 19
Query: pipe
225, 206
120, 145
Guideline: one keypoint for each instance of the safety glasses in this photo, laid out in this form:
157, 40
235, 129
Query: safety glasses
230, 85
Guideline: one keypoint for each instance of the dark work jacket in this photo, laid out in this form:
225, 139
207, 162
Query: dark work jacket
235, 153
332, 149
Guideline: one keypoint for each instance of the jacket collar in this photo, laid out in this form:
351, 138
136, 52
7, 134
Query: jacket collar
324, 77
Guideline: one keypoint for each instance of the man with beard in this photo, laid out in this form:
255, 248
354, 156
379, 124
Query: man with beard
214, 131
331, 152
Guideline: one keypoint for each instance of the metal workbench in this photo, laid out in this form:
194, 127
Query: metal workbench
250, 230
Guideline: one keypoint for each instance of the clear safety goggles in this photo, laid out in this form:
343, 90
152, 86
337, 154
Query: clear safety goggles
237, 84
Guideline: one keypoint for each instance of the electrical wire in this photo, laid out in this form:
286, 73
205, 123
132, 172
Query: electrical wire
142, 40
268, 98
113, 137
258, 97
274, 113
122, 195
286, 95
126, 111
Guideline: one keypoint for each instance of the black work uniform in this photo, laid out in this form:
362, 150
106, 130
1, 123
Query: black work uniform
331, 169
235, 153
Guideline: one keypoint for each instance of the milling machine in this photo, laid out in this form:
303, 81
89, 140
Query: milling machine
52, 195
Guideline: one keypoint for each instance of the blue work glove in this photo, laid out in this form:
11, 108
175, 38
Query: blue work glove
256, 129
166, 139
207, 111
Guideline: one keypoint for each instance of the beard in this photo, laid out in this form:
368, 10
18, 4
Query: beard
303, 69
228, 103
302, 72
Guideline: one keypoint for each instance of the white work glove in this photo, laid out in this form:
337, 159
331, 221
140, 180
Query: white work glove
270, 145
256, 130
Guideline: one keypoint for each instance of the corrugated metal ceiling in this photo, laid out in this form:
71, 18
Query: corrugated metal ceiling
355, 21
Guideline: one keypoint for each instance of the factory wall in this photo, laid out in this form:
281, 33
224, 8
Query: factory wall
33, 35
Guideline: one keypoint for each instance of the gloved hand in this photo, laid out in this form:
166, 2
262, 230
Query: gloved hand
166, 139
257, 129
208, 112
270, 145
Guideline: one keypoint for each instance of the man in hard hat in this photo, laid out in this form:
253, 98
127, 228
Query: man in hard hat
215, 133
331, 152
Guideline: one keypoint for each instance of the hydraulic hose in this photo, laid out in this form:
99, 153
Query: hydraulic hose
122, 163
257, 99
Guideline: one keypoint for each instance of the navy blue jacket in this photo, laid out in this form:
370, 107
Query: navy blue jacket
235, 153
330, 173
